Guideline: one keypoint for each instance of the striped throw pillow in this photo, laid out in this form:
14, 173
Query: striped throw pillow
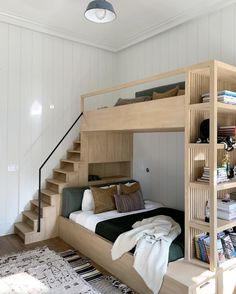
129, 202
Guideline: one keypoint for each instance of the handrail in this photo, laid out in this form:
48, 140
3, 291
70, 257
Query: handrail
40, 171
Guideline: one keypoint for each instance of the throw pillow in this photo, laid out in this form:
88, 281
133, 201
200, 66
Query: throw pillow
181, 92
130, 202
124, 189
87, 202
104, 199
170, 93
122, 101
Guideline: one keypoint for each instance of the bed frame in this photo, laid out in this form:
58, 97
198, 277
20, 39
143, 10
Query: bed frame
99, 251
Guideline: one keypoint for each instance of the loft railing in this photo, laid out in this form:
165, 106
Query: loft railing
40, 171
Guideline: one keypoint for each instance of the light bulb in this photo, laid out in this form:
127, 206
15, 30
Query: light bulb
100, 13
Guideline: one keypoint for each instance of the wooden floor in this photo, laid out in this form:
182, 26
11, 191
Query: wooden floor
12, 244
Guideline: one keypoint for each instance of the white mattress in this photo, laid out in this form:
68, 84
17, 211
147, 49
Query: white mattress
89, 220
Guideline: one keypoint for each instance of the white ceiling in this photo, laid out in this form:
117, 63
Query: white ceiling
136, 20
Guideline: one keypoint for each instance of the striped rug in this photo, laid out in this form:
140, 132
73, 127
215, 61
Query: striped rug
103, 283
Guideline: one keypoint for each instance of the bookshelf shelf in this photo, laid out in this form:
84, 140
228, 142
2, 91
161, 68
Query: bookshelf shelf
227, 185
204, 227
224, 224
199, 185
200, 106
223, 107
220, 187
199, 225
198, 146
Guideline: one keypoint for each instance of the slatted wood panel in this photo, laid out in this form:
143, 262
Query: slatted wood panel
198, 200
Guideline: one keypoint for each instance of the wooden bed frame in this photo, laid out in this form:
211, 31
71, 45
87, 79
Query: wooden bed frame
99, 251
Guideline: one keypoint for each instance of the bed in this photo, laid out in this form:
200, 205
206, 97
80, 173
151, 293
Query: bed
158, 115
100, 231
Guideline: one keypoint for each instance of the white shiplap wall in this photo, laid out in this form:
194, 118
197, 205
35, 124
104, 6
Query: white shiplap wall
210, 37
38, 69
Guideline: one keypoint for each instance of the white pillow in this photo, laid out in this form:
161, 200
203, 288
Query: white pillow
87, 202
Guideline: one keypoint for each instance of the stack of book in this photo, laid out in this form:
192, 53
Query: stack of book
225, 246
226, 210
227, 131
225, 96
221, 175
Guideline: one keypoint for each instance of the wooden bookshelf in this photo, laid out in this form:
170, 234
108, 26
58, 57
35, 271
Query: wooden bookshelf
215, 78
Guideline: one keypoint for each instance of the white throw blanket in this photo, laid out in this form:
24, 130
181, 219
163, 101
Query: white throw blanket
152, 237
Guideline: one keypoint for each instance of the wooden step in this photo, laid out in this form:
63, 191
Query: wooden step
73, 155
49, 196
56, 185
73, 151
77, 142
43, 204
30, 218
63, 175
22, 229
70, 165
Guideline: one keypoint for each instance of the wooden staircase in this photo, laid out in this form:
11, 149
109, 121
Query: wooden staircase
66, 175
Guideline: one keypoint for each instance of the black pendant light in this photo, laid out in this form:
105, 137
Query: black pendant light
100, 11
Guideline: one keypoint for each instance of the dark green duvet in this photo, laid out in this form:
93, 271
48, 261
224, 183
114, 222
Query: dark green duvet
111, 229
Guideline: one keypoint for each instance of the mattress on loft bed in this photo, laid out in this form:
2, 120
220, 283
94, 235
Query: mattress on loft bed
112, 228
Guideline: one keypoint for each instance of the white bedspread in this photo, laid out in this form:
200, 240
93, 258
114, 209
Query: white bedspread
89, 220
153, 237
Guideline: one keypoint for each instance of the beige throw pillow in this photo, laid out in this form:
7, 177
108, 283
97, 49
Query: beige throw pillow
170, 93
125, 190
122, 101
104, 199
181, 92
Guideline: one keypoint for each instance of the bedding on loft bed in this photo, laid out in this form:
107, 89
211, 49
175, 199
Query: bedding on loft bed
161, 92
111, 224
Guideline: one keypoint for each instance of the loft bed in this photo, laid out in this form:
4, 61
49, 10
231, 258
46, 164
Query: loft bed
165, 114
170, 114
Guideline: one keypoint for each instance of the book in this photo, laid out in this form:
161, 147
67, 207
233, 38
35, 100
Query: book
203, 254
225, 215
197, 249
219, 93
233, 239
228, 247
226, 206
220, 251
206, 243
199, 246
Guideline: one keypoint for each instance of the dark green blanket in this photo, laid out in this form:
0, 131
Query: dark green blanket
111, 229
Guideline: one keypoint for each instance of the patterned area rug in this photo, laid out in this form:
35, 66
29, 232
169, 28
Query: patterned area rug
40, 271
103, 283
44, 271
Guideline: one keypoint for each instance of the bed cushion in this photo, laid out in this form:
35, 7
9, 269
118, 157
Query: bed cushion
104, 199
130, 202
169, 93
122, 101
71, 200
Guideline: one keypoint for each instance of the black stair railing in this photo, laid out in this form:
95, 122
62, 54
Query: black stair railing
40, 171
